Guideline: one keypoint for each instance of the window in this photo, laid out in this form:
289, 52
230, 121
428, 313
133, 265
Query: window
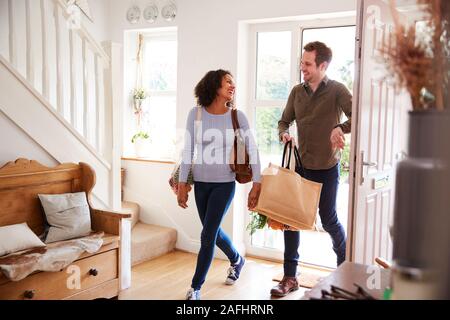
159, 79
273, 69
274, 78
273, 84
159, 76
341, 40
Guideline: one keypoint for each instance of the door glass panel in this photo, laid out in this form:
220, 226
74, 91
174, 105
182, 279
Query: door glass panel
273, 65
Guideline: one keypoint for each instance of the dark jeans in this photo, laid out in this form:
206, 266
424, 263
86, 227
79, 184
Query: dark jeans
213, 200
328, 216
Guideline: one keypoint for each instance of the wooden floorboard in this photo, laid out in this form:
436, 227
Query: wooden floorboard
169, 277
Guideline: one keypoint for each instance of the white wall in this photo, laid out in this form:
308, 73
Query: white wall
212, 34
99, 28
15, 143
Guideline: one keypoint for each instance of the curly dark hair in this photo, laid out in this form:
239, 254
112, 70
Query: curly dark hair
323, 53
206, 89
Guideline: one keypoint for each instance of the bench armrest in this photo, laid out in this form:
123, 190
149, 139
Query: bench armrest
107, 221
112, 214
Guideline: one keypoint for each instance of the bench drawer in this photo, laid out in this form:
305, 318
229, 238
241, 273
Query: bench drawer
80, 275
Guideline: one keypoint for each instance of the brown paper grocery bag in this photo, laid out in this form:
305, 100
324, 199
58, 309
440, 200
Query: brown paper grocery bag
289, 198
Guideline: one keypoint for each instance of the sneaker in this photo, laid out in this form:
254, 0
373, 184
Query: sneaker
193, 294
234, 271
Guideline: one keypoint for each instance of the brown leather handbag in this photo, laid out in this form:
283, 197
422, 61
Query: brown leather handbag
240, 160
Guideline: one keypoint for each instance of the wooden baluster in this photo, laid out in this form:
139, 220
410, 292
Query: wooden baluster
100, 102
59, 66
97, 103
73, 84
12, 35
85, 92
29, 47
45, 78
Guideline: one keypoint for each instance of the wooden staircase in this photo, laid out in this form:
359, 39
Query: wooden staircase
62, 88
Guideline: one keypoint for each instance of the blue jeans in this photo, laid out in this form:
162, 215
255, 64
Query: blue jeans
213, 200
328, 216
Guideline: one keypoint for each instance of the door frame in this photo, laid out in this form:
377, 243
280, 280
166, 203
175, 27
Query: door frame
296, 27
354, 171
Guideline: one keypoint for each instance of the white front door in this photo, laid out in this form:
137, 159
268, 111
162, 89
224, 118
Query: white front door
379, 133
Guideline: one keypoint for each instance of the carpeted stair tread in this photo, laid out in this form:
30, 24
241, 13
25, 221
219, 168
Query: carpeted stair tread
150, 241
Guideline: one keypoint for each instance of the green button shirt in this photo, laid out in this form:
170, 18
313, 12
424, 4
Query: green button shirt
317, 114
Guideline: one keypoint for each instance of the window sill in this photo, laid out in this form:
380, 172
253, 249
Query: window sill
165, 161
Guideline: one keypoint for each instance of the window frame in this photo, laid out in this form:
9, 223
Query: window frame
296, 28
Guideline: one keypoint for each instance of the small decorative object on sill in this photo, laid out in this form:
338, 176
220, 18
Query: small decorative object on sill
141, 141
418, 60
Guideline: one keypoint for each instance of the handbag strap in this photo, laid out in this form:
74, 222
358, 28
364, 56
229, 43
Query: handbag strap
234, 119
198, 122
237, 135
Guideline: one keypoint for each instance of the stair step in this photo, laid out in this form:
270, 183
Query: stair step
132, 208
149, 241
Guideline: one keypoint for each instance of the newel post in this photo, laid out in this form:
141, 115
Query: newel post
113, 145
113, 124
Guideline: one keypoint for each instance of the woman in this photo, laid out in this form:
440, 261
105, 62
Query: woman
214, 182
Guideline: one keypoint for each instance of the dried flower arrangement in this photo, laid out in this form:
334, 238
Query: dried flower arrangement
420, 62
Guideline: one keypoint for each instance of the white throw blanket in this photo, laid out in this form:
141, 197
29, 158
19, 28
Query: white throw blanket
53, 257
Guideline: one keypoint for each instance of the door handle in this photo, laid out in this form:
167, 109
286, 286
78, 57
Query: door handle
365, 164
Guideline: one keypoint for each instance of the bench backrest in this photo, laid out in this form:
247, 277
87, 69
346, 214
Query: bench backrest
22, 180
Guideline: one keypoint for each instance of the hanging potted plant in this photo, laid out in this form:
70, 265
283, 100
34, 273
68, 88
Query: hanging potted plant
419, 61
139, 95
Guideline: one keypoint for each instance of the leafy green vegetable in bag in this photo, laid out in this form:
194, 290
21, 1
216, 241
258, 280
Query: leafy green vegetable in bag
258, 222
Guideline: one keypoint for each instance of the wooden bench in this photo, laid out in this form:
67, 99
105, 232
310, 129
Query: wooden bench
20, 183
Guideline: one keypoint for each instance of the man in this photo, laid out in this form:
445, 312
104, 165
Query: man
316, 105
